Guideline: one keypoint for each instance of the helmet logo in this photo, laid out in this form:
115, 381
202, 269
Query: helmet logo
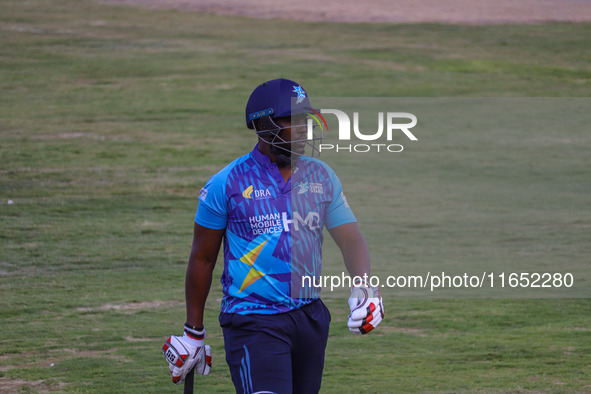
301, 93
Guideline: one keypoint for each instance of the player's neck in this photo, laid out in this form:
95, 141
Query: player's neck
285, 172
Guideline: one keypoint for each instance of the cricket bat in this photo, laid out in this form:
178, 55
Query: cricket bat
189, 380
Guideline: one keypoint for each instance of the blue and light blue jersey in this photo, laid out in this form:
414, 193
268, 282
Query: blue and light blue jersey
273, 229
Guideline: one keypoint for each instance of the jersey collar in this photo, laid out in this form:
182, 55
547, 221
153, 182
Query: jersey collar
263, 160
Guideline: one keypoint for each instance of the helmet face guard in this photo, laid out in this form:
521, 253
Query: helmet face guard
270, 133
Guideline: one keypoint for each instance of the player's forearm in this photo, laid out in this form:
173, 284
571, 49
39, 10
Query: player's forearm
356, 255
353, 247
197, 285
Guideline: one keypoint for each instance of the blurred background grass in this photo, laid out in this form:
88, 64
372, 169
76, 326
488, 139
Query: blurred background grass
113, 117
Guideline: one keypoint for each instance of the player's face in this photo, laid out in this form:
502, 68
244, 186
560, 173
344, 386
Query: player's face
295, 131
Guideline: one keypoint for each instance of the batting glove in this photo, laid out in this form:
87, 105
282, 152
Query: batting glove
367, 309
184, 353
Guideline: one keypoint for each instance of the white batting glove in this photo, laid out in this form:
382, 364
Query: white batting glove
184, 353
367, 309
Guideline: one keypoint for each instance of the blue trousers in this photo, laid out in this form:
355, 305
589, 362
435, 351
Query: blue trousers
281, 353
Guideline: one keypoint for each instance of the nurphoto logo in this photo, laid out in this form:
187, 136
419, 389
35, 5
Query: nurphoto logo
396, 123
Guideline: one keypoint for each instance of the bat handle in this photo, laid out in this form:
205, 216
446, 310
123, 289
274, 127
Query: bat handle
189, 380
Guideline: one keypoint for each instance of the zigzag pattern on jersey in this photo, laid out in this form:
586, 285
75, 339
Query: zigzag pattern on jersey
306, 249
257, 266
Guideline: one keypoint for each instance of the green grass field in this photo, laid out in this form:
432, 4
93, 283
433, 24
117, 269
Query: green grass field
112, 118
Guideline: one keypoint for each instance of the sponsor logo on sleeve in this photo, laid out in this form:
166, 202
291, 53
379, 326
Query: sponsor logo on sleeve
345, 199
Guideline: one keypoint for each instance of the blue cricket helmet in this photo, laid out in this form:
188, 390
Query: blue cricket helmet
274, 99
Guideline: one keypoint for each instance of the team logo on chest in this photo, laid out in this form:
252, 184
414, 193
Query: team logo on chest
257, 194
304, 187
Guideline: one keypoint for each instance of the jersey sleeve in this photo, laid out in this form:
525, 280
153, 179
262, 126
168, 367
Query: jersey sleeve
212, 211
339, 212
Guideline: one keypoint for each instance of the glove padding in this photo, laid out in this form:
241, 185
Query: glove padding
367, 309
184, 353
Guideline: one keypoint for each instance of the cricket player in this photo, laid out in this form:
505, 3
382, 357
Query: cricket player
269, 208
